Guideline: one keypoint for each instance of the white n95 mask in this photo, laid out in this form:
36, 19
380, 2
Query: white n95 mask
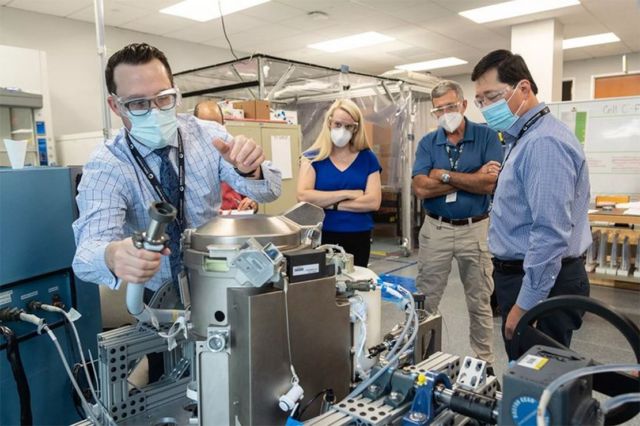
340, 136
450, 121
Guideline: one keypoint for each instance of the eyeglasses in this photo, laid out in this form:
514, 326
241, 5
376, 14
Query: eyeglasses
337, 125
490, 97
165, 100
454, 107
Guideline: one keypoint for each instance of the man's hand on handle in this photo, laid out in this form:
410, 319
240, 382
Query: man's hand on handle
132, 264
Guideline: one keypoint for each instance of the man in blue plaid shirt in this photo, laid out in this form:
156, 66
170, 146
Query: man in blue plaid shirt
115, 192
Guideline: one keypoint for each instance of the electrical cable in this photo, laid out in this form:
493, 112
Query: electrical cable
572, 375
24, 394
51, 308
85, 404
84, 365
285, 289
224, 30
308, 404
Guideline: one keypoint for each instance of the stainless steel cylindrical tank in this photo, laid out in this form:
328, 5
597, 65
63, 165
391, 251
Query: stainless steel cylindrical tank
210, 249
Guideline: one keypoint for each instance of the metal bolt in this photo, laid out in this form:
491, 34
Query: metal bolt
417, 416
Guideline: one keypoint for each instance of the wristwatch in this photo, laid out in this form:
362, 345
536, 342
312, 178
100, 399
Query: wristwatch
243, 174
445, 178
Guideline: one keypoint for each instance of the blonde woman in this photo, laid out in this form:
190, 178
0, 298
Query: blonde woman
342, 175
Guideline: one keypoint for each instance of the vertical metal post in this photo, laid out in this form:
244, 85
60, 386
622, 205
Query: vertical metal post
407, 154
261, 94
102, 56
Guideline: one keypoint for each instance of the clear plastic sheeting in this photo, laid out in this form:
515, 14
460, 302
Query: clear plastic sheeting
395, 110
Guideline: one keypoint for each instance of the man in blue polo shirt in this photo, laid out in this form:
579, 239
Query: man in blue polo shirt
454, 174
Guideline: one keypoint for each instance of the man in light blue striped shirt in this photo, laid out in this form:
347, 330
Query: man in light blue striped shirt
539, 223
115, 193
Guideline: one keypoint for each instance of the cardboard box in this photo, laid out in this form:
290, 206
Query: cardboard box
256, 110
380, 138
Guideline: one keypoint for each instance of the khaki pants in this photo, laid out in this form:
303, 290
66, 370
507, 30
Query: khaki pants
440, 242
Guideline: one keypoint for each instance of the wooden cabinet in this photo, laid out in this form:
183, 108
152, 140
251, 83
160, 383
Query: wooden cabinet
274, 138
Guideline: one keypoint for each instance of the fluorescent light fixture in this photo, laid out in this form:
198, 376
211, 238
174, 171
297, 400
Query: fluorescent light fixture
431, 65
572, 43
351, 42
511, 9
206, 10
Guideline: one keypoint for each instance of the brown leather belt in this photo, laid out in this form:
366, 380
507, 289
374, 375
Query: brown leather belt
459, 222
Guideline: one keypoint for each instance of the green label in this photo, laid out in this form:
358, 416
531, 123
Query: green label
581, 126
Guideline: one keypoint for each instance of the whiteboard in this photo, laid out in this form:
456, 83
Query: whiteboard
609, 130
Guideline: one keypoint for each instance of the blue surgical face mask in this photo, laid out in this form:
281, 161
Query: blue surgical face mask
156, 129
499, 116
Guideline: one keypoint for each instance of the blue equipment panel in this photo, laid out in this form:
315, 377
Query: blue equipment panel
49, 288
36, 212
36, 249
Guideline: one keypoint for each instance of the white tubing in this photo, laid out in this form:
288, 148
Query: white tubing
143, 313
618, 401
85, 404
135, 299
396, 351
572, 375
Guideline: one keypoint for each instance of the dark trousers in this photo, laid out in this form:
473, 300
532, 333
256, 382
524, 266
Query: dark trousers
356, 243
572, 280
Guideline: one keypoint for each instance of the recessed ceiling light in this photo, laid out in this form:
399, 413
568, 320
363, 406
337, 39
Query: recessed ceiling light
206, 10
571, 43
511, 9
351, 42
431, 65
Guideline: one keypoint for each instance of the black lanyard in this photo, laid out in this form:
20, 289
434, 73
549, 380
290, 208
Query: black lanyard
454, 164
530, 122
154, 181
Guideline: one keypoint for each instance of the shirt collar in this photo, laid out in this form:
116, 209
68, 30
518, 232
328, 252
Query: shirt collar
441, 136
519, 124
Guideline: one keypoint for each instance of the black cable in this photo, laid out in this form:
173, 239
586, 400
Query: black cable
308, 404
13, 356
224, 30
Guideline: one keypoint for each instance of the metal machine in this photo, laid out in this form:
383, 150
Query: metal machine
36, 250
266, 325
271, 322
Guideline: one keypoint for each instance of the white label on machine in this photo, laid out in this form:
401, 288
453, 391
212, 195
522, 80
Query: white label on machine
28, 295
5, 297
74, 315
534, 362
306, 269
52, 289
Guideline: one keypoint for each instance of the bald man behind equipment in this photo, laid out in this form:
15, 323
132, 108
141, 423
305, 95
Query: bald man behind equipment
209, 110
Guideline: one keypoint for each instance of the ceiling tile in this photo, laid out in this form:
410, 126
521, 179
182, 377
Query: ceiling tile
575, 55
311, 5
415, 14
423, 29
57, 8
115, 14
274, 12
197, 32
159, 24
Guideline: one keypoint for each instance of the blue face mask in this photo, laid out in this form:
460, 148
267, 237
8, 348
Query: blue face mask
499, 116
156, 129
